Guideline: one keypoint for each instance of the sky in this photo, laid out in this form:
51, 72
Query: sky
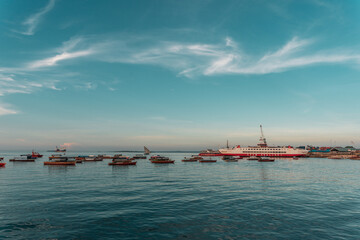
178, 75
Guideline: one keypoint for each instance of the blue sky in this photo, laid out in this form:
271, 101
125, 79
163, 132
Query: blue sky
178, 74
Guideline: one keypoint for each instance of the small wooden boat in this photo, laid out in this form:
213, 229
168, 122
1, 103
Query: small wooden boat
229, 159
60, 163
162, 161
106, 156
55, 156
92, 159
125, 163
23, 158
295, 158
266, 159
189, 160
253, 158
139, 156
207, 160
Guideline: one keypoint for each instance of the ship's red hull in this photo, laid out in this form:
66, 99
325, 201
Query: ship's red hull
264, 155
211, 154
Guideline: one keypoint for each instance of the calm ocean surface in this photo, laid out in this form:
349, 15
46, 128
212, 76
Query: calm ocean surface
287, 199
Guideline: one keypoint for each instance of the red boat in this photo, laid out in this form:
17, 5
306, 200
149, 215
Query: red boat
122, 163
2, 164
162, 161
60, 163
36, 155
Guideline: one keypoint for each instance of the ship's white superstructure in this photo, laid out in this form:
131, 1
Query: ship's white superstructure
262, 150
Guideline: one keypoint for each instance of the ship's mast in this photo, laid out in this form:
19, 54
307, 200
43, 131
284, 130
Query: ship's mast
262, 139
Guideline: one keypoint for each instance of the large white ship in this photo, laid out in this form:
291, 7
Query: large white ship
263, 150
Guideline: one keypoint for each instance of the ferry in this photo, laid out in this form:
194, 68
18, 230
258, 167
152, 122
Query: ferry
263, 150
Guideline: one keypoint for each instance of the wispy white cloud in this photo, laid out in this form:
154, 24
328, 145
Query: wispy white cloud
33, 21
6, 111
193, 59
51, 61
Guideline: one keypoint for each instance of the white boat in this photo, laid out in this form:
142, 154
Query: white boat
263, 150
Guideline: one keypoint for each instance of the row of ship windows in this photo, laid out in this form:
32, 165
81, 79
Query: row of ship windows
263, 149
265, 152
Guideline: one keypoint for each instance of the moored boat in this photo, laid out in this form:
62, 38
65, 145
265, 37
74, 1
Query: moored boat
55, 156
23, 158
266, 159
124, 163
229, 159
2, 164
161, 159
62, 161
106, 156
189, 160
36, 155
139, 156
253, 158
207, 160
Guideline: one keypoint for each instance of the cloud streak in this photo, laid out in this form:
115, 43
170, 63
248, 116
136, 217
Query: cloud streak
195, 59
6, 111
33, 21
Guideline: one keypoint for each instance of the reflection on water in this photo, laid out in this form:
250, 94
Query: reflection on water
285, 199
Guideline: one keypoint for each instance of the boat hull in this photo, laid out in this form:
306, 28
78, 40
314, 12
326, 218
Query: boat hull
122, 163
22, 160
60, 163
2, 164
163, 162
207, 161
267, 160
190, 160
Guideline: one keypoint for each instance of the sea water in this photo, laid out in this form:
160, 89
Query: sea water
286, 199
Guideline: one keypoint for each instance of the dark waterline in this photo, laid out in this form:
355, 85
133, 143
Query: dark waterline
287, 199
